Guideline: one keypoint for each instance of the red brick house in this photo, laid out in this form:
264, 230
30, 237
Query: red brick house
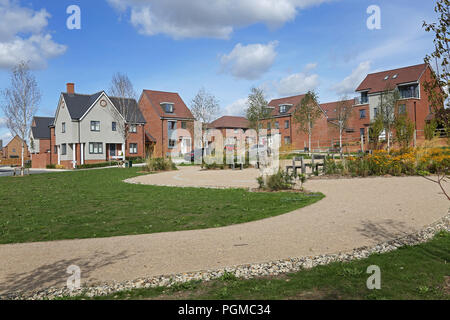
40, 141
169, 124
232, 128
409, 81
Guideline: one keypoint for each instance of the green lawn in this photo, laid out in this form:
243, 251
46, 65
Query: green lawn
418, 272
97, 203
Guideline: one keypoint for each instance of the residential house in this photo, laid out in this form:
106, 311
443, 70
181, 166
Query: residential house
282, 119
169, 123
12, 152
232, 128
40, 141
409, 82
87, 128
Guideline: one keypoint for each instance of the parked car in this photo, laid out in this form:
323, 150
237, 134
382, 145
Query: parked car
190, 156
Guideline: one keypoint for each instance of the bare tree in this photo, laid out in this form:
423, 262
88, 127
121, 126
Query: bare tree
21, 103
307, 112
344, 111
123, 96
204, 108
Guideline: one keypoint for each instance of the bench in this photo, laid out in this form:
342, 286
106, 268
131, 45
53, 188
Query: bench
294, 166
315, 166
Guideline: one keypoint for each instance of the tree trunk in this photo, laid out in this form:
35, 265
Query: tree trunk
22, 171
388, 140
340, 141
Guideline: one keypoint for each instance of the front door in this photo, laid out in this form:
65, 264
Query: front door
112, 150
185, 145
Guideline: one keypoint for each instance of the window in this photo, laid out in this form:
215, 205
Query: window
375, 111
172, 125
236, 130
269, 125
55, 149
277, 125
183, 125
168, 107
133, 128
133, 148
14, 150
387, 77
63, 127
402, 109
114, 126
364, 97
63, 149
96, 148
361, 131
95, 126
362, 113
284, 108
286, 124
287, 140
395, 76
409, 91
172, 143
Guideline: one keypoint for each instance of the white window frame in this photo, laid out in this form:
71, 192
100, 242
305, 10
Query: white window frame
93, 146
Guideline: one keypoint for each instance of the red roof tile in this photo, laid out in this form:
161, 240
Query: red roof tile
180, 110
330, 107
230, 122
294, 101
375, 82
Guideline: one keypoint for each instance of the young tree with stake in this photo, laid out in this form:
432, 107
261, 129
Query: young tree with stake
21, 101
122, 91
205, 108
344, 111
307, 112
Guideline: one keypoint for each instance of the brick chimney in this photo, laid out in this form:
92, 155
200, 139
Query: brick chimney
71, 88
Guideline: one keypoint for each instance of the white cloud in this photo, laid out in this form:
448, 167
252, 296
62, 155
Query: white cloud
237, 108
350, 83
213, 18
299, 83
5, 136
23, 36
249, 62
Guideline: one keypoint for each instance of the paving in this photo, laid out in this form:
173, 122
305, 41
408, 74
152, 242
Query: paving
355, 213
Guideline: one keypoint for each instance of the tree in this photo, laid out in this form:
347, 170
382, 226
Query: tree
386, 109
204, 108
257, 109
307, 112
21, 101
124, 96
344, 111
404, 130
441, 55
375, 130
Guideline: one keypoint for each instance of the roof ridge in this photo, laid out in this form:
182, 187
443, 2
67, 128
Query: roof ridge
396, 69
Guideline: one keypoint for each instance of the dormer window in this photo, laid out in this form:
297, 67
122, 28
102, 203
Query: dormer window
168, 107
387, 77
284, 108
395, 76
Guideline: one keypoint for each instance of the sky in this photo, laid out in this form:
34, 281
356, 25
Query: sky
285, 47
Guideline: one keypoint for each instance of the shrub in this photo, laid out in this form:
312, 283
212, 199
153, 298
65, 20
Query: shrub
159, 164
50, 166
280, 181
430, 129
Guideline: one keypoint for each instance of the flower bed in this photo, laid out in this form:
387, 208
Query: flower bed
396, 163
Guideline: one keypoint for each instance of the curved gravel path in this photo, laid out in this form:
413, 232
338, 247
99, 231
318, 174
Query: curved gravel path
355, 213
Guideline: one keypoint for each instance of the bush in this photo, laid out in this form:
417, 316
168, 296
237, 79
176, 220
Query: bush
50, 166
159, 164
279, 181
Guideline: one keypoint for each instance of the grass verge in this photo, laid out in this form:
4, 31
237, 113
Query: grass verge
411, 272
97, 203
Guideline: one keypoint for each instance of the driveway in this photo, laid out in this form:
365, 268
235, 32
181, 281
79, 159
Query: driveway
355, 213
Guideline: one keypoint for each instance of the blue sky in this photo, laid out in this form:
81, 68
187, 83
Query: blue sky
285, 47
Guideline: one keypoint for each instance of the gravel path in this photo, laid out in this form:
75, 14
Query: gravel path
355, 213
